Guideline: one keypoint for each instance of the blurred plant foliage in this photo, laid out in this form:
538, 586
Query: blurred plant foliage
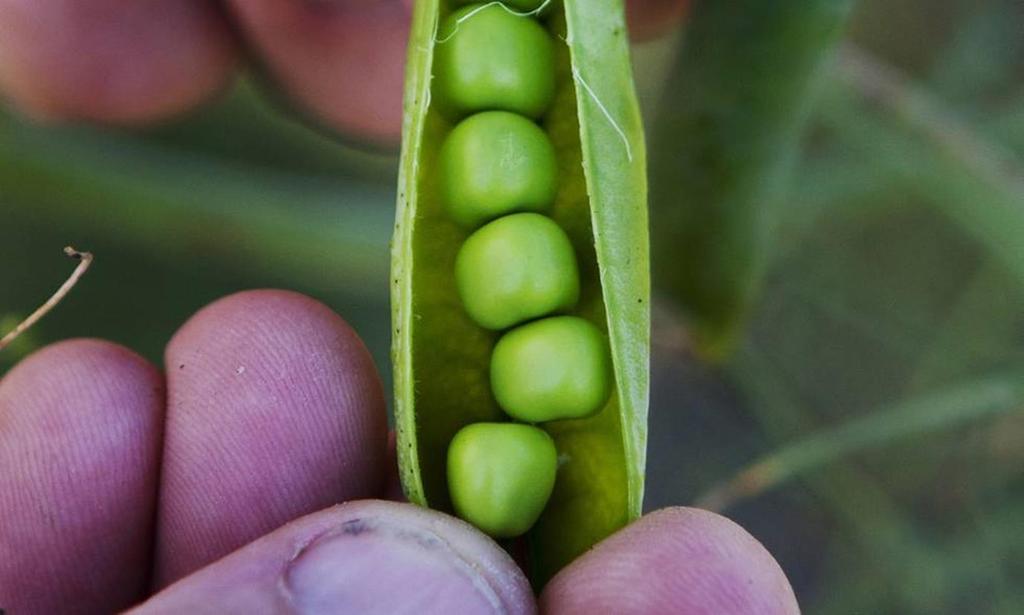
24, 344
738, 110
875, 394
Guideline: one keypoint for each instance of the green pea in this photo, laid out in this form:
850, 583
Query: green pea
492, 59
494, 163
500, 476
519, 5
550, 369
516, 268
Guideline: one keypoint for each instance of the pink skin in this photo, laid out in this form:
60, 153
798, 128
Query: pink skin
298, 39
120, 61
702, 563
130, 62
268, 393
85, 428
81, 424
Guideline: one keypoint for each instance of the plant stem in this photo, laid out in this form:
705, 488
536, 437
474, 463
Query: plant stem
193, 207
903, 564
84, 260
944, 409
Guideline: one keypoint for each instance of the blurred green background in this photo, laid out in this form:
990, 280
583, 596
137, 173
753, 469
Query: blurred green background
867, 426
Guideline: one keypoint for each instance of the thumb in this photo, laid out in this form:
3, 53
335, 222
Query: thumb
360, 557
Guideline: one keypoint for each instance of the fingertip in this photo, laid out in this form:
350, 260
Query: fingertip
112, 61
678, 560
80, 429
385, 557
79, 359
78, 384
275, 410
361, 557
268, 322
268, 313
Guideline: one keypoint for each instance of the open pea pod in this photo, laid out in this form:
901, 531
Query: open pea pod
441, 357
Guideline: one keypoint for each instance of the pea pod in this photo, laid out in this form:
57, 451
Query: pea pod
441, 357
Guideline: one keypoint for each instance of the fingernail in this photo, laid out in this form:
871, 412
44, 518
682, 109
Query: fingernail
369, 566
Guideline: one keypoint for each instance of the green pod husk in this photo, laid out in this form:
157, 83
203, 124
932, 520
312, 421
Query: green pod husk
441, 358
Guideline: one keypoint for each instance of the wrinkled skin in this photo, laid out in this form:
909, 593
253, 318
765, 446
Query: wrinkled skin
253, 473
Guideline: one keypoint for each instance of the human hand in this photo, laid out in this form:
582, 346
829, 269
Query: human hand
118, 480
130, 62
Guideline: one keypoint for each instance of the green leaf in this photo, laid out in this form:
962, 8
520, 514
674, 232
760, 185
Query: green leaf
163, 201
727, 131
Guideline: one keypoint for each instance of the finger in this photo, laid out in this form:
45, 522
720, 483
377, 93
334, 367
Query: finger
362, 557
275, 410
650, 19
677, 560
119, 61
342, 60
80, 429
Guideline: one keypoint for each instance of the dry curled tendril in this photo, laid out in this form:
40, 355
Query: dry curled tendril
84, 260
